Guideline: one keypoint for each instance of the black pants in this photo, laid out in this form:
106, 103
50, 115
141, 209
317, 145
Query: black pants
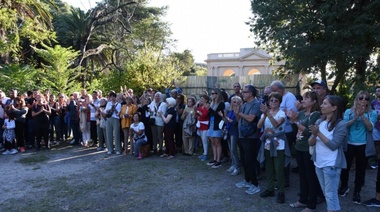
357, 152
42, 131
20, 133
93, 131
291, 137
309, 184
248, 153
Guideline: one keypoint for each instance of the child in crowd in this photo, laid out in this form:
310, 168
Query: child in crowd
9, 134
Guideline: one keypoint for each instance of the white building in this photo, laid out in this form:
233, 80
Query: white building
248, 61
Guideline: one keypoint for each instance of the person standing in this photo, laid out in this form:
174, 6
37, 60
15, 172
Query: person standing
360, 121
214, 131
329, 137
237, 91
287, 105
249, 114
170, 122
308, 181
112, 111
274, 145
94, 105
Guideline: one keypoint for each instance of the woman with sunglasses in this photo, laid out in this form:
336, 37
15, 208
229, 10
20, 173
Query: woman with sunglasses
274, 145
214, 132
309, 185
360, 120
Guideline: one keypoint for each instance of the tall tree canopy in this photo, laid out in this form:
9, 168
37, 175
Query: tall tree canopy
310, 35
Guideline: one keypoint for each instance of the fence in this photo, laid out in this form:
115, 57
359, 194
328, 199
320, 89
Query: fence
195, 85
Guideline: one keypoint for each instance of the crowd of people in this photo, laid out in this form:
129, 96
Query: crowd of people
250, 132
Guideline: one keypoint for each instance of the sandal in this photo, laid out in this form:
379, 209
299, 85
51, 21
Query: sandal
170, 157
297, 205
164, 155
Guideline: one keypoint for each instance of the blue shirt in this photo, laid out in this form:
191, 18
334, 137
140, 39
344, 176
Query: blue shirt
357, 130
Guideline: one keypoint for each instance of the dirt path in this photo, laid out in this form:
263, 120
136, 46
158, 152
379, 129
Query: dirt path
82, 179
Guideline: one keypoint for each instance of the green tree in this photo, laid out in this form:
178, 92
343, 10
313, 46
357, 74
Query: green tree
18, 76
150, 69
28, 20
310, 35
185, 62
57, 73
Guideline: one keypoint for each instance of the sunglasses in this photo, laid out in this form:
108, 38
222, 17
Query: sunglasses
213, 93
274, 100
364, 98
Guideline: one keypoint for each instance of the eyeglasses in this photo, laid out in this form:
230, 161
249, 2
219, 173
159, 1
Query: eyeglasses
274, 100
234, 102
236, 86
364, 98
213, 93
61, 97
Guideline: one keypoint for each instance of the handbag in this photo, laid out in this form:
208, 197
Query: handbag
109, 114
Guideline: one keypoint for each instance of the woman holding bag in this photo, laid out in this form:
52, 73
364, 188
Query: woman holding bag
214, 132
360, 121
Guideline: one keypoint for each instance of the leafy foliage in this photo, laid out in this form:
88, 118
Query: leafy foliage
310, 35
57, 73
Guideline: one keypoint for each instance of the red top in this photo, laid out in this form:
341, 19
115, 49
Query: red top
203, 116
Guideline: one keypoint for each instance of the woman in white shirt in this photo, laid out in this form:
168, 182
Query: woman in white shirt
137, 133
274, 139
329, 137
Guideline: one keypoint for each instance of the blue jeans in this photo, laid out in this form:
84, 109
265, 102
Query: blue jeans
233, 144
329, 179
137, 145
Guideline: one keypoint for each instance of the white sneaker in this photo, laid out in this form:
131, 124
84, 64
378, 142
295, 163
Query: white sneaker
235, 172
253, 190
72, 142
231, 169
6, 152
243, 184
13, 151
118, 153
109, 153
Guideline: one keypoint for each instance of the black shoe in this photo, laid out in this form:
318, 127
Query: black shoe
343, 191
267, 193
211, 162
320, 200
356, 198
281, 198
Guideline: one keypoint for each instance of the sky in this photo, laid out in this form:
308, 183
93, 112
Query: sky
202, 26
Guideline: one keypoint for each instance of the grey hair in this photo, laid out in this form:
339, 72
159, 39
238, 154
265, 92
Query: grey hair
278, 84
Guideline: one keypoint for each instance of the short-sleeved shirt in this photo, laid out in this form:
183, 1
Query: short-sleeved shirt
268, 124
137, 128
172, 123
287, 104
252, 107
303, 137
357, 130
